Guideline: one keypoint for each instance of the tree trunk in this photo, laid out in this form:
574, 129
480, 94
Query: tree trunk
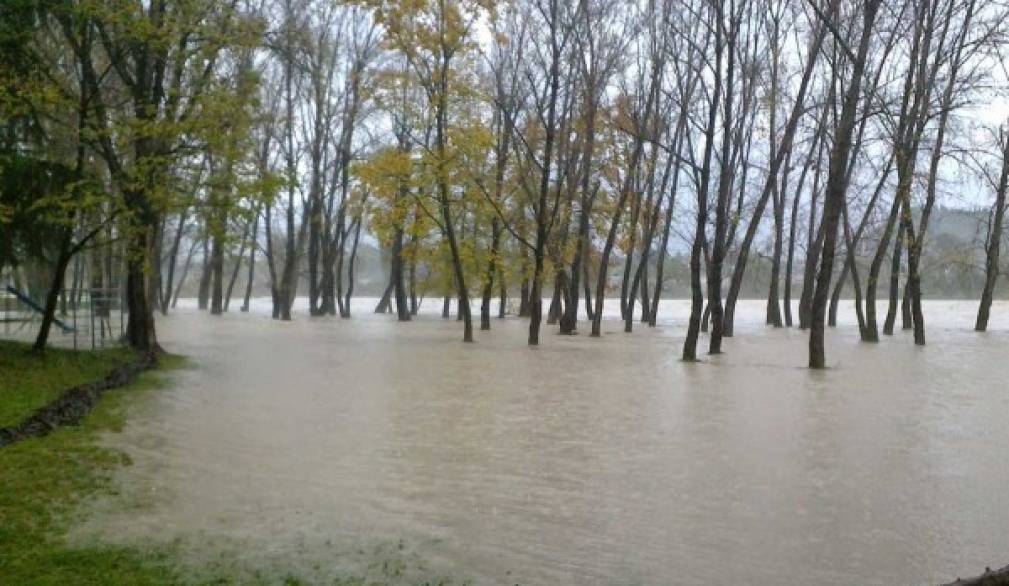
140, 332
203, 295
252, 265
891, 312
399, 289
502, 306
834, 200
351, 262
217, 276
994, 244
524, 298
786, 299
555, 310
385, 301
173, 256
52, 297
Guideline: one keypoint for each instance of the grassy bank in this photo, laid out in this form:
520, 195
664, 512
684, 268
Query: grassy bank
28, 382
42, 479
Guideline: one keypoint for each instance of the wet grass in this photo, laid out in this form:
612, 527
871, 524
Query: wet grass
42, 480
29, 381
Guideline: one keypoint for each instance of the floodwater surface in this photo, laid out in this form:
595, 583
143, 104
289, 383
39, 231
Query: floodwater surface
328, 446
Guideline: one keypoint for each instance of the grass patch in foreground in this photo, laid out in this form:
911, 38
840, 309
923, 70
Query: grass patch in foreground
43, 479
29, 381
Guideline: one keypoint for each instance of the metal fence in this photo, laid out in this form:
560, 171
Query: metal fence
85, 317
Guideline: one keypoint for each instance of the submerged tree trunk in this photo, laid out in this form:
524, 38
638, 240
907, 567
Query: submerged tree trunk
837, 187
850, 265
814, 234
524, 298
203, 295
994, 243
398, 286
217, 276
906, 314
502, 306
173, 255
351, 264
488, 284
252, 265
779, 154
625, 193
891, 311
790, 257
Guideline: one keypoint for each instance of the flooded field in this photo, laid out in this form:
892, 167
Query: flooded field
328, 446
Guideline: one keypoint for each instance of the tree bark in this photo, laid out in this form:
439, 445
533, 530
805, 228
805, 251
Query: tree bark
837, 187
994, 244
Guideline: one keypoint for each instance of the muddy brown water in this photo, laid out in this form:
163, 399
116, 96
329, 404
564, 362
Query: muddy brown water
327, 446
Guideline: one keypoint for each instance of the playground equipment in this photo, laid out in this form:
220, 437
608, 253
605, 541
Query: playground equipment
36, 308
87, 313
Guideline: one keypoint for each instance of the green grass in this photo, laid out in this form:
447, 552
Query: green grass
43, 479
28, 381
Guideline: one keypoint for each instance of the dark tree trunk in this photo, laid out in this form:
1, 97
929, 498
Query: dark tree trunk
660, 261
813, 240
837, 187
203, 295
871, 329
385, 301
351, 265
906, 317
555, 310
773, 313
853, 268
52, 297
173, 256
502, 307
589, 306
779, 156
414, 305
185, 273
891, 312
667, 222
626, 295
524, 298
140, 331
217, 276
646, 303
994, 243
699, 245
626, 192
252, 265
850, 265
237, 268
488, 284
398, 287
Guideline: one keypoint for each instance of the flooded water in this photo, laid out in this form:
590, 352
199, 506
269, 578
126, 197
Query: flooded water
335, 445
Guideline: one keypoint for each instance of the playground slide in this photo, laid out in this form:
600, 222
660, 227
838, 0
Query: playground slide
37, 308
